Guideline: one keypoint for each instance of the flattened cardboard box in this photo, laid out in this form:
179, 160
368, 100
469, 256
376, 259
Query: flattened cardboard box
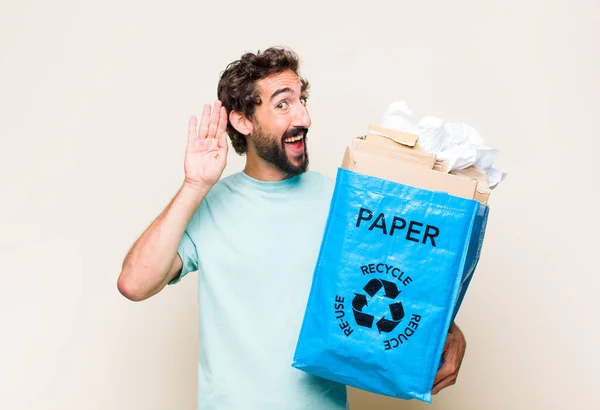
408, 174
397, 156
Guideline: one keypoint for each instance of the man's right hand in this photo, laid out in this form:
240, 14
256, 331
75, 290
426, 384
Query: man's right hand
153, 261
206, 150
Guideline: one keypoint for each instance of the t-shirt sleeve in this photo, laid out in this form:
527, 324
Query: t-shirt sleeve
188, 254
187, 249
189, 243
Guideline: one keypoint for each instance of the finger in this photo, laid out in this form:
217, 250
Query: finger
445, 371
212, 128
448, 381
222, 127
192, 128
203, 131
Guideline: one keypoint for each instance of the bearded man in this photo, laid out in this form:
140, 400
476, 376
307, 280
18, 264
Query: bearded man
253, 237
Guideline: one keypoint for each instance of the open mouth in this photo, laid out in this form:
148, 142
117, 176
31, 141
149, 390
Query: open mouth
293, 139
295, 144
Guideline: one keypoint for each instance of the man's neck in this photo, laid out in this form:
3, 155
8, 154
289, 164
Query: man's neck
263, 171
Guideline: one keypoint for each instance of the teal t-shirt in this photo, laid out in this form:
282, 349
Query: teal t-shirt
255, 245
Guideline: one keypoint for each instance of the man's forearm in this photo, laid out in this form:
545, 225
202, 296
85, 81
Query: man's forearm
150, 262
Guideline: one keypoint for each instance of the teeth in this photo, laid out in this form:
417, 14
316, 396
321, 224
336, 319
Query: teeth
292, 139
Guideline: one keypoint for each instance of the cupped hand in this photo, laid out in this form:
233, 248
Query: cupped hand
206, 150
453, 354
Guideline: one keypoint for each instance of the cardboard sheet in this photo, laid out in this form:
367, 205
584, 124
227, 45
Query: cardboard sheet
396, 156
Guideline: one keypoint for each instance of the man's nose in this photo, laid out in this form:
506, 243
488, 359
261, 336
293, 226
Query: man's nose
301, 117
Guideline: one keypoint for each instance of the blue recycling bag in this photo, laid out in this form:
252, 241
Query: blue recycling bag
394, 265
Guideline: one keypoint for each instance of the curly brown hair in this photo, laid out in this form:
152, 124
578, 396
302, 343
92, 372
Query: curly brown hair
237, 84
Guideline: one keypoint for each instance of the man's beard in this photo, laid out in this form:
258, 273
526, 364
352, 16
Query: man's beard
273, 150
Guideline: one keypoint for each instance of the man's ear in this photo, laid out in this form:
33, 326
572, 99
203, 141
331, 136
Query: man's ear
241, 123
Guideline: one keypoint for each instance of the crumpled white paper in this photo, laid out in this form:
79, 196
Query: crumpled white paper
457, 143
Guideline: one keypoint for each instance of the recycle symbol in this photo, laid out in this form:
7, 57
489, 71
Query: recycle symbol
396, 309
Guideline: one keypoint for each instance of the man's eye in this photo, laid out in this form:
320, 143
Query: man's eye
282, 105
303, 100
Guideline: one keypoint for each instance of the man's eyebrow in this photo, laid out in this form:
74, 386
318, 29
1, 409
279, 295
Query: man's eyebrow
281, 91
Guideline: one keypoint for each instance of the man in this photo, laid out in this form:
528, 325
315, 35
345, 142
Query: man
253, 237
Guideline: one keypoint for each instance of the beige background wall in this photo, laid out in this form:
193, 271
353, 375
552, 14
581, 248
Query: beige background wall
94, 103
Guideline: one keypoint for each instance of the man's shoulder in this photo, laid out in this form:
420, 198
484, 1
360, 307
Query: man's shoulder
225, 186
318, 176
318, 181
225, 182
220, 193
